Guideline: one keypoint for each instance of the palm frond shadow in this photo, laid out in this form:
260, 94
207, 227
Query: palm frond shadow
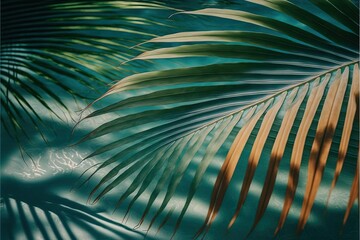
55, 50
60, 138
33, 211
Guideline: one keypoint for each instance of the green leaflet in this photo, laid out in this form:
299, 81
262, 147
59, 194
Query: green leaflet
150, 175
282, 27
166, 173
221, 73
147, 172
328, 30
229, 51
186, 95
194, 145
342, 11
256, 38
220, 136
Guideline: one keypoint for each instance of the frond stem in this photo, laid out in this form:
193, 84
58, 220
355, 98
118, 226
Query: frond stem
267, 98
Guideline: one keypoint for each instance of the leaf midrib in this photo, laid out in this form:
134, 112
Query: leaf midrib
269, 97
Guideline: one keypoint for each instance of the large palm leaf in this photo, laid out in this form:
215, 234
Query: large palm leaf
280, 87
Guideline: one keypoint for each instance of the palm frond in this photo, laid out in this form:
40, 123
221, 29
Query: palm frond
297, 75
55, 50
